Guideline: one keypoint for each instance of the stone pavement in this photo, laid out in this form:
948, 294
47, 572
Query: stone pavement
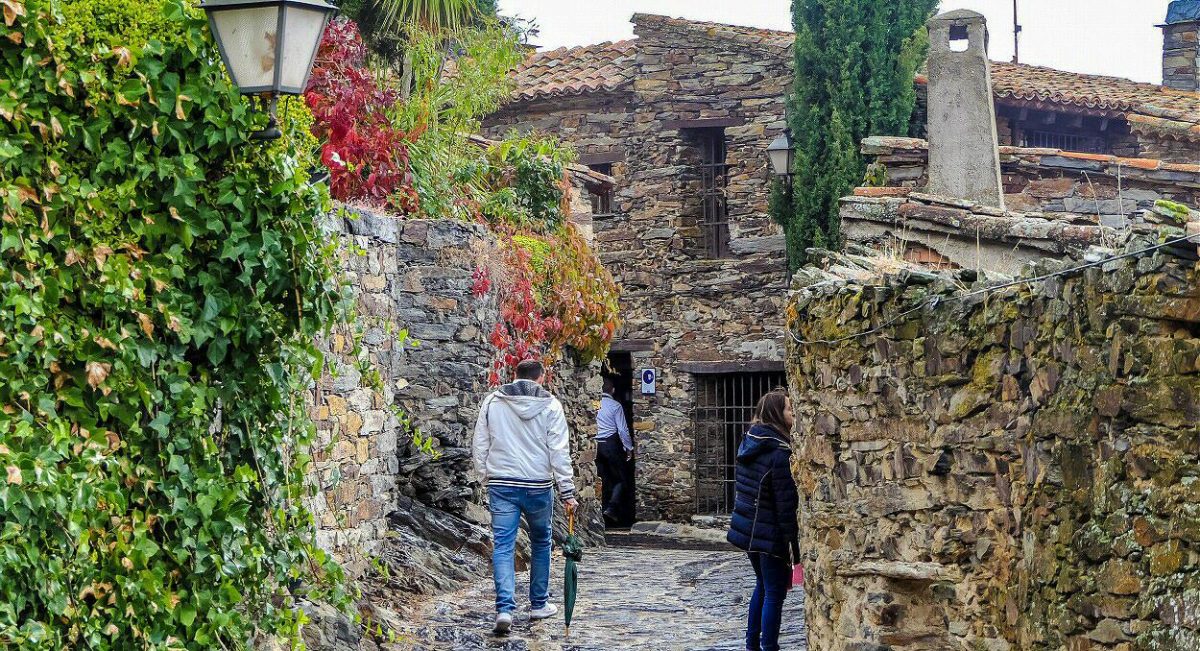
630, 598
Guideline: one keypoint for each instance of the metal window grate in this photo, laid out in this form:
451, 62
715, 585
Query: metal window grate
724, 409
1066, 141
714, 178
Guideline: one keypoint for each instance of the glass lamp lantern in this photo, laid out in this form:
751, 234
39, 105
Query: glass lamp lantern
782, 154
268, 46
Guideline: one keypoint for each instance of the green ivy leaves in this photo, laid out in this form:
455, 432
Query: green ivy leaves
162, 279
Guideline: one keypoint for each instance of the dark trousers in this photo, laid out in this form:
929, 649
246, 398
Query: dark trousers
612, 465
773, 577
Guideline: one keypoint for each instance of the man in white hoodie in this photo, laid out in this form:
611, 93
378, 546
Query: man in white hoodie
521, 450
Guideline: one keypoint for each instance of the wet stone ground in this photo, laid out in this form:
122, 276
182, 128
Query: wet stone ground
630, 598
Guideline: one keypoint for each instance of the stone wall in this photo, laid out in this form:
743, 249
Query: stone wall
1013, 471
679, 306
416, 275
1181, 55
1051, 181
952, 233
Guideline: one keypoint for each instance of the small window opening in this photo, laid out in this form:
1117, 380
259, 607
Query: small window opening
714, 179
601, 198
960, 38
1066, 141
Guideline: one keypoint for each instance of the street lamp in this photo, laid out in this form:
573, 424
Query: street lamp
268, 46
782, 154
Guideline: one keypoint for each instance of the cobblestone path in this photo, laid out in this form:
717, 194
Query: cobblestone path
630, 598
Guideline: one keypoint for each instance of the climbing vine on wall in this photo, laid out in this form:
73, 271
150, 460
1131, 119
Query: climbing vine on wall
552, 294
365, 152
162, 280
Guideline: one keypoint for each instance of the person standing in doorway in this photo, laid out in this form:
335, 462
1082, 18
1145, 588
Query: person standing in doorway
520, 450
614, 452
764, 516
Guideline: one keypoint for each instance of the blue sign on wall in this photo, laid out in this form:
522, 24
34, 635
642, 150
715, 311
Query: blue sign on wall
649, 379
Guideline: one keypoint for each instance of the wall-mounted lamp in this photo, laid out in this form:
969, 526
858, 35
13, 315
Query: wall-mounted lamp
782, 153
268, 46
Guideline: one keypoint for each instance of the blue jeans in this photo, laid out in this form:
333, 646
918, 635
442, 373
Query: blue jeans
773, 578
507, 504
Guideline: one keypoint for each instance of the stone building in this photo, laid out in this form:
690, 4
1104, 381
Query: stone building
681, 117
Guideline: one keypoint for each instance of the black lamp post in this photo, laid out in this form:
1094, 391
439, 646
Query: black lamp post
782, 153
268, 46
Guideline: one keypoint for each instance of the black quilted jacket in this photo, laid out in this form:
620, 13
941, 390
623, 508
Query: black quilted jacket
764, 508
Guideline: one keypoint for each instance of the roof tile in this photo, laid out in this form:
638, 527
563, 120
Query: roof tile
611, 66
1151, 104
577, 70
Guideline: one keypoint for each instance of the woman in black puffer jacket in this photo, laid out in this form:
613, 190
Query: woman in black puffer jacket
764, 516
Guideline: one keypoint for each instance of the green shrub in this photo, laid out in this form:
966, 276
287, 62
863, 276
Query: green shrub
114, 23
296, 123
524, 180
162, 279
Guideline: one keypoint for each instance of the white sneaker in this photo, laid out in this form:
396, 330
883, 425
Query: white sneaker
545, 612
503, 623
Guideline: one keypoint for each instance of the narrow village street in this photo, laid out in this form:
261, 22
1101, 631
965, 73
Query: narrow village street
631, 597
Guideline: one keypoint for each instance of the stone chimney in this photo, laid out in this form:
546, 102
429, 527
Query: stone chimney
1181, 46
964, 158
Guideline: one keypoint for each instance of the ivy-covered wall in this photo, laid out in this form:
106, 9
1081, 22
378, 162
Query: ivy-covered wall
162, 280
1013, 471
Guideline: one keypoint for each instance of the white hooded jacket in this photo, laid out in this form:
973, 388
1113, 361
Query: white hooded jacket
521, 440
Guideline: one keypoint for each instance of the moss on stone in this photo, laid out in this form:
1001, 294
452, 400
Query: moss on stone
1071, 417
1177, 210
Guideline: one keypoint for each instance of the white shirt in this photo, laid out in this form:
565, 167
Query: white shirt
611, 420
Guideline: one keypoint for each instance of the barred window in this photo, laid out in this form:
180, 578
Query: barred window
725, 405
1066, 141
714, 178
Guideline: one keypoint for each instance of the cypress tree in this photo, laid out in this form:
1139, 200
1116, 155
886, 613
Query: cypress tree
855, 62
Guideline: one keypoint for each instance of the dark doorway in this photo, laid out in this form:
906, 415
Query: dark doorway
725, 405
620, 370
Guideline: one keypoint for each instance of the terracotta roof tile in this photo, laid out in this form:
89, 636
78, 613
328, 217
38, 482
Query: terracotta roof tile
576, 70
1148, 104
916, 150
611, 66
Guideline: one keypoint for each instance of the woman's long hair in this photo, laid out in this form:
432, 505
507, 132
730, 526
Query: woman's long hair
771, 411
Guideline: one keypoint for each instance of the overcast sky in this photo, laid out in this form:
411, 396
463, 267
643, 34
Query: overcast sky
1113, 37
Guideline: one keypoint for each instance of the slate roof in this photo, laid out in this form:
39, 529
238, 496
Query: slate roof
611, 67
